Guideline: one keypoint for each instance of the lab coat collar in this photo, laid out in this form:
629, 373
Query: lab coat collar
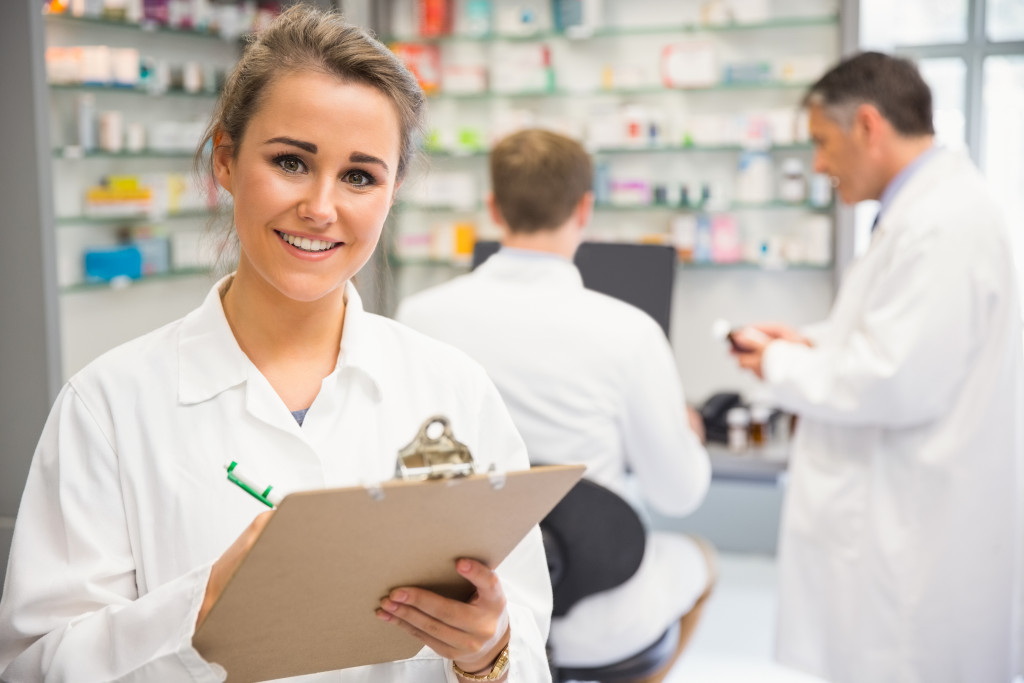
939, 163
361, 350
211, 361
531, 267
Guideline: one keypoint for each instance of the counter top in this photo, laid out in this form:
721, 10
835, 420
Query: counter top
765, 465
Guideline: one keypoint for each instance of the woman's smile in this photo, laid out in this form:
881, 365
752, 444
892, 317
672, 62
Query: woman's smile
308, 245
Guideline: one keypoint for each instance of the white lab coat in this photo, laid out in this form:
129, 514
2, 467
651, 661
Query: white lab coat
587, 379
127, 504
902, 532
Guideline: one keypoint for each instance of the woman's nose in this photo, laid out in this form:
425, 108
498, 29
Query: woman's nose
317, 206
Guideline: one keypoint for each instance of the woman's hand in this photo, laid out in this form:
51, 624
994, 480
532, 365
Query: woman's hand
471, 634
224, 568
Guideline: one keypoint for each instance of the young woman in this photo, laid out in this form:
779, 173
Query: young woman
129, 529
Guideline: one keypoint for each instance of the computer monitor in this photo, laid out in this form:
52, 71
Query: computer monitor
639, 274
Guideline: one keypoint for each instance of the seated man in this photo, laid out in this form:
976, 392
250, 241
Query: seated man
588, 379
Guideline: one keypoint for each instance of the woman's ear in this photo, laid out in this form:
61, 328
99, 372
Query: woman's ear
223, 158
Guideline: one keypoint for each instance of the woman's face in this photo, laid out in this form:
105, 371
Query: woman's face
312, 179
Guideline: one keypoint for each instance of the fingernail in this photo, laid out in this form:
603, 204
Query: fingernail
383, 616
465, 566
388, 605
400, 596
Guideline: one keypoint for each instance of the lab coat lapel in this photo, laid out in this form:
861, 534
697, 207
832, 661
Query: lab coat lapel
942, 164
209, 359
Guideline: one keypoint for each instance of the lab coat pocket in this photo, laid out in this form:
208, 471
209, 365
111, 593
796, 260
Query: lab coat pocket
828, 488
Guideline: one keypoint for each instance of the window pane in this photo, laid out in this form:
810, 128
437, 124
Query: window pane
1003, 142
1004, 20
947, 79
885, 24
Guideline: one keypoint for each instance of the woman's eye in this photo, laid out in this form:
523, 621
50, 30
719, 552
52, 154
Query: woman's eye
359, 178
290, 164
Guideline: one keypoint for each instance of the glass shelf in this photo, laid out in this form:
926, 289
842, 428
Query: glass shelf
428, 263
128, 90
127, 282
72, 152
428, 208
400, 262
658, 90
780, 23
666, 149
147, 27
135, 218
732, 206
760, 267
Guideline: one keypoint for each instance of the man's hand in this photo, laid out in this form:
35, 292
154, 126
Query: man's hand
471, 634
696, 423
749, 344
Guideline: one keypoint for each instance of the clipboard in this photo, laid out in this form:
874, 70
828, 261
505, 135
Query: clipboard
304, 598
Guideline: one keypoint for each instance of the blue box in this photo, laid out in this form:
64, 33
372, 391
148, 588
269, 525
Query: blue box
103, 264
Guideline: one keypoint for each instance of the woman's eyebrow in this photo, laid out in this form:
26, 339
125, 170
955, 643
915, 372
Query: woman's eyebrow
361, 158
307, 146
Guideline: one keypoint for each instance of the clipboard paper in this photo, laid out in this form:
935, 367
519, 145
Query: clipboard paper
304, 598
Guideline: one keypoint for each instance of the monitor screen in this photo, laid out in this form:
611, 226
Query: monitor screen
639, 274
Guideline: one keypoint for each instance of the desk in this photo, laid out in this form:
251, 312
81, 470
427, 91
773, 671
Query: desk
766, 465
742, 510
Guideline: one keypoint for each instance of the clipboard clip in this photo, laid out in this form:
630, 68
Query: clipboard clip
440, 457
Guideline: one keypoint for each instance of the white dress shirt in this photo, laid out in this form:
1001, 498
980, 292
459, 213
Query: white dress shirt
127, 504
588, 379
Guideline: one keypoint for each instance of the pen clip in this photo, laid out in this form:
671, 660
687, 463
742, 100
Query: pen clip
260, 493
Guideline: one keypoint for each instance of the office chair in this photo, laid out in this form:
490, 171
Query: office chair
595, 541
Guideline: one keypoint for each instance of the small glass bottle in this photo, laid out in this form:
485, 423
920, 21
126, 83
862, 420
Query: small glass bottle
793, 184
738, 421
759, 425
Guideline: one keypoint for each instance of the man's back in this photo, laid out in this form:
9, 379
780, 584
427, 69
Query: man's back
587, 378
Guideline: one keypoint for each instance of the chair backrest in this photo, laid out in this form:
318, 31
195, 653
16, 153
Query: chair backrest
594, 541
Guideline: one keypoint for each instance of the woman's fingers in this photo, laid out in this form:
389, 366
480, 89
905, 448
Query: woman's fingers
224, 568
468, 633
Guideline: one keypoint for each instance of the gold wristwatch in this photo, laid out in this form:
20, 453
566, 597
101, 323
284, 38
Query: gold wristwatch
498, 669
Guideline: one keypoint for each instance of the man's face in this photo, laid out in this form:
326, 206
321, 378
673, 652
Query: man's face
842, 154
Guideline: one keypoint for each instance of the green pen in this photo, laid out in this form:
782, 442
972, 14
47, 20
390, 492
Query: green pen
261, 493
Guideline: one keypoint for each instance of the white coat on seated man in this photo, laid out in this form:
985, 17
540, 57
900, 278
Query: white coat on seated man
587, 378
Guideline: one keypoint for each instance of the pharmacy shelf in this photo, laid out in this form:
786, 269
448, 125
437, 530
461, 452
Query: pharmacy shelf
625, 92
778, 23
429, 263
74, 152
731, 207
68, 221
760, 267
123, 283
651, 149
403, 262
147, 27
127, 90
622, 208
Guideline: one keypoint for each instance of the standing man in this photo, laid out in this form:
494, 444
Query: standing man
900, 556
587, 379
